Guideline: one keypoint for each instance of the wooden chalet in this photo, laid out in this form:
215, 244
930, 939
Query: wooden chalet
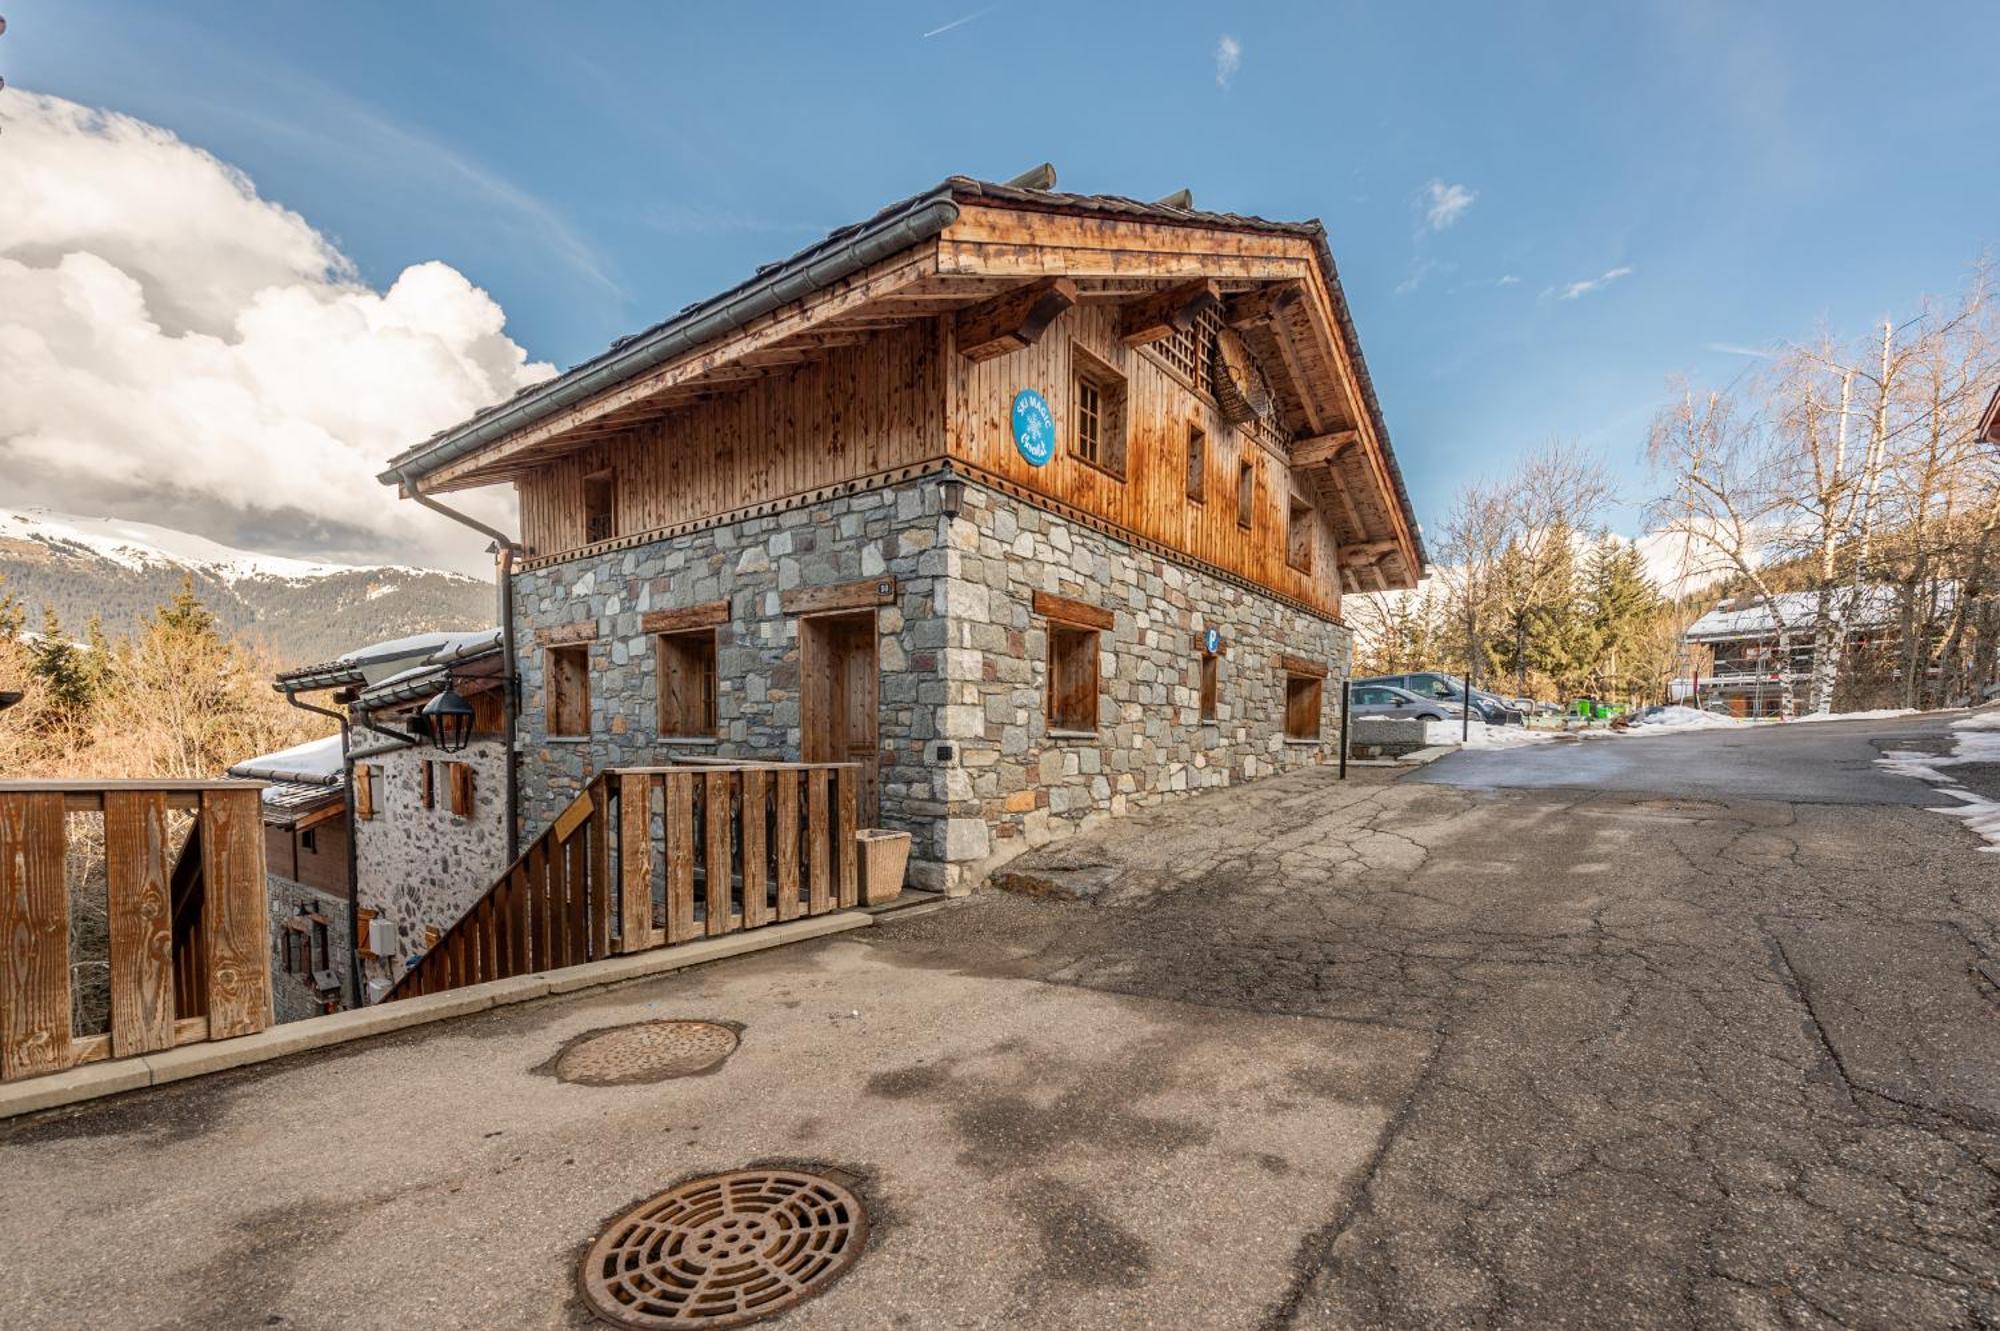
1032, 505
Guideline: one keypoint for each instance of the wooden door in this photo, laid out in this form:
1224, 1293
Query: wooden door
839, 712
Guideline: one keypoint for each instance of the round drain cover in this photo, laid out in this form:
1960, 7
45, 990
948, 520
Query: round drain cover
724, 1250
645, 1051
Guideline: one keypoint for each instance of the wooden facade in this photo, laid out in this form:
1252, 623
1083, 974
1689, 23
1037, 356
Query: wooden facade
914, 363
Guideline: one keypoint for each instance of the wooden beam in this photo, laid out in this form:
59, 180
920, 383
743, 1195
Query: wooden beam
1261, 303
1013, 319
1066, 611
1367, 552
1302, 665
566, 635
1317, 449
706, 615
1164, 313
862, 595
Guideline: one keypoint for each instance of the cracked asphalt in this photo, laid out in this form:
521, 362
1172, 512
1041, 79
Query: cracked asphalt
1689, 1031
1711, 1033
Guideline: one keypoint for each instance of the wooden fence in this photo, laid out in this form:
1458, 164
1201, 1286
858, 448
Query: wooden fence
188, 949
653, 856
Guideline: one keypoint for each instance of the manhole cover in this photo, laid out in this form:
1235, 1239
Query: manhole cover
724, 1250
645, 1051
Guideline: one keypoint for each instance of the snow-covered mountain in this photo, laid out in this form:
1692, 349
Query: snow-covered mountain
302, 611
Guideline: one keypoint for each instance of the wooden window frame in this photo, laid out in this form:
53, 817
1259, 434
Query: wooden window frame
1299, 514
364, 790
1197, 464
1299, 688
603, 484
566, 722
1098, 396
1073, 674
700, 650
1246, 493
1211, 687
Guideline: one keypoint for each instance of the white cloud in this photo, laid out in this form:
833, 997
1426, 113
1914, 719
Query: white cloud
1445, 204
175, 348
1737, 349
1228, 59
1590, 284
1508, 280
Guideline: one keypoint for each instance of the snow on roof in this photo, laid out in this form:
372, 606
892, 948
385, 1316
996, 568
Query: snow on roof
1751, 617
316, 762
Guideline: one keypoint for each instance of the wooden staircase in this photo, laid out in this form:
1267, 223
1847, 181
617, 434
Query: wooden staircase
648, 857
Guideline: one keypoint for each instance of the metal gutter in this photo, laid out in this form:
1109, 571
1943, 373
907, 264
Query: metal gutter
812, 270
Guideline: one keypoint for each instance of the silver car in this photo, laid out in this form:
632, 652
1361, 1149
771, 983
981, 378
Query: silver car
1400, 704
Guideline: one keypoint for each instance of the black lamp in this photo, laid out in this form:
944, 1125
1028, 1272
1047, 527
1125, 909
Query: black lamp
448, 717
951, 495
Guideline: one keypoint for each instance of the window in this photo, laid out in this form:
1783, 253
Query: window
307, 944
1246, 492
1197, 465
1302, 693
567, 683
1299, 535
309, 841
1099, 433
600, 506
1072, 678
364, 791
1211, 686
687, 684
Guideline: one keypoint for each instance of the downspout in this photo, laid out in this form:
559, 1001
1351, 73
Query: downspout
510, 681
353, 869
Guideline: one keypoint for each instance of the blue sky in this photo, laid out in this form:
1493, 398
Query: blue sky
1743, 173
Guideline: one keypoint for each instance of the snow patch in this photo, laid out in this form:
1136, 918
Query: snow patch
1479, 735
1978, 741
1684, 718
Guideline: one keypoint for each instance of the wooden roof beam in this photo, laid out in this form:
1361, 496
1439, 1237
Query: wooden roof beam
1367, 552
1319, 449
1160, 315
1013, 319
1260, 304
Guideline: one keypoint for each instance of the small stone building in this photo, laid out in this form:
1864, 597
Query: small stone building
1039, 506
429, 828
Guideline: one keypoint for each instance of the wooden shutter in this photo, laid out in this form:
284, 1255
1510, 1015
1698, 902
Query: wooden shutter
364, 791
461, 790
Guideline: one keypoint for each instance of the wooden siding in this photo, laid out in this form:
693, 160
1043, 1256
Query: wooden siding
1151, 498
861, 410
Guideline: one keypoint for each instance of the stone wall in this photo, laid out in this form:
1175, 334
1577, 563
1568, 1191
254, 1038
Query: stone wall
422, 868
1012, 784
751, 564
294, 997
963, 662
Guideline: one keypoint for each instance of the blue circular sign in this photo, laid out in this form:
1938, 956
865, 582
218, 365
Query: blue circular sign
1034, 427
1212, 640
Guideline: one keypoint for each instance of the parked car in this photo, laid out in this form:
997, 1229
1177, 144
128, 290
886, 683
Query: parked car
1433, 686
1400, 704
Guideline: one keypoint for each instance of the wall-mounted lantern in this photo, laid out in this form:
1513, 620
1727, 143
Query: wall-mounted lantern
448, 718
951, 495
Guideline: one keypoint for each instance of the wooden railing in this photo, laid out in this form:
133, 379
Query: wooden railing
652, 856
188, 948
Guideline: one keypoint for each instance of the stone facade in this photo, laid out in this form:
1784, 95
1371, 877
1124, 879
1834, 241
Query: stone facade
296, 996
1014, 784
423, 868
963, 663
751, 564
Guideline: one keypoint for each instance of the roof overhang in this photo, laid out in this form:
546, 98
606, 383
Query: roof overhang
1989, 423
955, 246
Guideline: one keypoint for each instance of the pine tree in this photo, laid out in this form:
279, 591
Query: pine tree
1624, 604
63, 670
12, 613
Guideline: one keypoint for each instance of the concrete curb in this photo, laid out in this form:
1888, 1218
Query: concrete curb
115, 1076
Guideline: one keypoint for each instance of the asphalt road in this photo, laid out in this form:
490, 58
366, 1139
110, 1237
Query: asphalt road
1673, 1032
1822, 762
